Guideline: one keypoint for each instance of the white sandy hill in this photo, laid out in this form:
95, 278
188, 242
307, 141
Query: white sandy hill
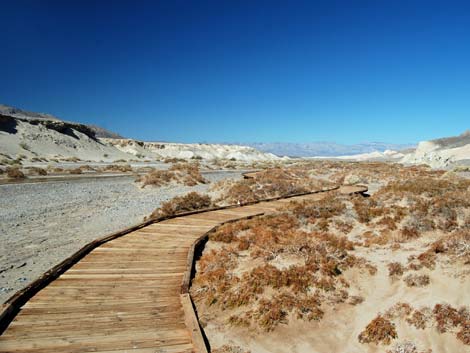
187, 151
387, 155
52, 139
442, 153
33, 135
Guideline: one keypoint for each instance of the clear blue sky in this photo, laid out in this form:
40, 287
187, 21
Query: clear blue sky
298, 71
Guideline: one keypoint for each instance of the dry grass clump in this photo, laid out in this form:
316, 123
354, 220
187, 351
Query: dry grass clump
189, 202
184, 173
15, 173
378, 331
414, 280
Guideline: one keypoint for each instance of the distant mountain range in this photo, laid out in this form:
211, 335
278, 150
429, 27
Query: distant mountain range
325, 149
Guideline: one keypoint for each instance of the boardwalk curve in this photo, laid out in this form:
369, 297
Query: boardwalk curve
124, 293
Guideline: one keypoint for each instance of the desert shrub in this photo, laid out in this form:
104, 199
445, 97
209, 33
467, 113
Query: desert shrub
455, 245
75, 171
71, 159
191, 173
189, 202
157, 178
446, 317
37, 171
229, 349
395, 269
57, 170
464, 333
398, 310
274, 182
406, 347
185, 173
123, 168
321, 260
414, 280
419, 318
15, 173
312, 211
379, 330
174, 160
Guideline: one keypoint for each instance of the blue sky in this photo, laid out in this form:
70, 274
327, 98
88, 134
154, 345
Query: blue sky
247, 71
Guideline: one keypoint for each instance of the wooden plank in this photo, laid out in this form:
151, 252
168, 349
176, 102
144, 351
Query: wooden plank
192, 324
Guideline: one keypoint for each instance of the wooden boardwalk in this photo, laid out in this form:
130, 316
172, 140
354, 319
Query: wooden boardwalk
125, 295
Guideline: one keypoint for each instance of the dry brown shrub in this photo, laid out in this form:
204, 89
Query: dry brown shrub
37, 171
395, 269
371, 238
269, 183
229, 349
185, 173
398, 311
446, 317
174, 160
415, 280
327, 208
15, 173
123, 168
179, 204
157, 178
355, 299
464, 333
407, 347
75, 171
419, 318
321, 260
379, 330
455, 245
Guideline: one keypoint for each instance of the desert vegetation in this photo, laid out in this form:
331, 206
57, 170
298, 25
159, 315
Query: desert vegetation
183, 173
179, 204
315, 263
272, 182
14, 173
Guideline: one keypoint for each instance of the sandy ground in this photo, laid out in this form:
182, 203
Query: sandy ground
43, 223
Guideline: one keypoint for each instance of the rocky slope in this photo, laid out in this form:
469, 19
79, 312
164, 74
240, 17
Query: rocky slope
442, 153
29, 135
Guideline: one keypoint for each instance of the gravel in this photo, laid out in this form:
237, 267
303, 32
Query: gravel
41, 224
